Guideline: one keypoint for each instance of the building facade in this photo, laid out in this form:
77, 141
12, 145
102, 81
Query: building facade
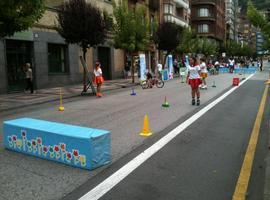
231, 19
208, 19
176, 11
54, 62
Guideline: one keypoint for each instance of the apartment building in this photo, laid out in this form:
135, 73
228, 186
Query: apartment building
208, 18
176, 11
231, 19
54, 62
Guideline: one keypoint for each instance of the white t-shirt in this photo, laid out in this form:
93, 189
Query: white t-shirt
203, 67
29, 73
231, 62
98, 72
193, 71
159, 66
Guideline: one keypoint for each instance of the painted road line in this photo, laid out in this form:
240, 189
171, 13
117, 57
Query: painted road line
243, 180
124, 171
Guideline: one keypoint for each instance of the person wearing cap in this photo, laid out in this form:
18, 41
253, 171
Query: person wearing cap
98, 78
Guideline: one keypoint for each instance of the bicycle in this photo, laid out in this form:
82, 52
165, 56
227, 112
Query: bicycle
155, 81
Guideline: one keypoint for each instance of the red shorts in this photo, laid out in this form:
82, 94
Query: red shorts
194, 83
99, 80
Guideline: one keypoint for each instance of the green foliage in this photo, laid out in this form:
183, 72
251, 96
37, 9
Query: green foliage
81, 23
236, 49
131, 29
256, 17
19, 15
188, 42
207, 47
246, 51
232, 48
167, 36
260, 21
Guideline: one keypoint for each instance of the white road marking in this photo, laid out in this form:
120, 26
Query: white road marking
124, 171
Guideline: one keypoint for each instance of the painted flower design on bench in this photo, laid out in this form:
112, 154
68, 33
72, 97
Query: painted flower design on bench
35, 146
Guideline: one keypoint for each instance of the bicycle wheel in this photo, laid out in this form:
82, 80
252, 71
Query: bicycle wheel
144, 84
160, 83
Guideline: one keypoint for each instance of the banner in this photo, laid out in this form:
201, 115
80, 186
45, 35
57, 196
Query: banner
170, 66
142, 67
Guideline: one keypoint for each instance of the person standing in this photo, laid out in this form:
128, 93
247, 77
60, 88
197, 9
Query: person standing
126, 70
99, 80
159, 69
194, 79
231, 64
204, 73
29, 78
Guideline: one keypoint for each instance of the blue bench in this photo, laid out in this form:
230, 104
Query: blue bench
73, 145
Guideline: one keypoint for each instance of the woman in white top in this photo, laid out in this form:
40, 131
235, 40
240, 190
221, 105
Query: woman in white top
204, 73
194, 79
98, 78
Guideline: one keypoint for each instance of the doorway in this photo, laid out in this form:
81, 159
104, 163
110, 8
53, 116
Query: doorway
17, 54
105, 58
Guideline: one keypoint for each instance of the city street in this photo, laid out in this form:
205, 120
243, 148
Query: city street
202, 161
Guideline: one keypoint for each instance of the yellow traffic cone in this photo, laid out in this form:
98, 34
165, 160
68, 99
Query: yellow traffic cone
61, 107
145, 130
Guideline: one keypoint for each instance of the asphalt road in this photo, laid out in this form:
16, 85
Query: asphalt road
26, 177
204, 161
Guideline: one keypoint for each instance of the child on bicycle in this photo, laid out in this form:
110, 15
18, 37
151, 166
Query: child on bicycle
149, 79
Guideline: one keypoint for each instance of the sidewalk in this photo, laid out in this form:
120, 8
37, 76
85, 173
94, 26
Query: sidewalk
21, 99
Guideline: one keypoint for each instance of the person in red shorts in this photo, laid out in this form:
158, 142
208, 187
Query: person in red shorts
98, 78
194, 79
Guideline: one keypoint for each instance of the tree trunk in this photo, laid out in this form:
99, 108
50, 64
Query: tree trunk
84, 71
132, 67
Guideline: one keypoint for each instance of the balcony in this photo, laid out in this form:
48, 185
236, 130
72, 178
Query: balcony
178, 20
182, 3
199, 2
206, 18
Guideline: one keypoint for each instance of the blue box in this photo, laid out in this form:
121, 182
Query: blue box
77, 146
165, 74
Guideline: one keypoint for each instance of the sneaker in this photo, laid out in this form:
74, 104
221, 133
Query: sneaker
193, 102
198, 102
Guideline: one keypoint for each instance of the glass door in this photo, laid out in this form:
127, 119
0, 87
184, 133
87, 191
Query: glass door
17, 54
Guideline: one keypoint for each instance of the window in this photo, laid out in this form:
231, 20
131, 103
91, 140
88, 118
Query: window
203, 28
57, 56
203, 12
168, 8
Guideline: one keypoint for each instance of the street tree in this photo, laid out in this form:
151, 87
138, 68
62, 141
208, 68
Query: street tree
167, 37
207, 47
259, 20
16, 16
83, 24
232, 48
188, 42
131, 30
